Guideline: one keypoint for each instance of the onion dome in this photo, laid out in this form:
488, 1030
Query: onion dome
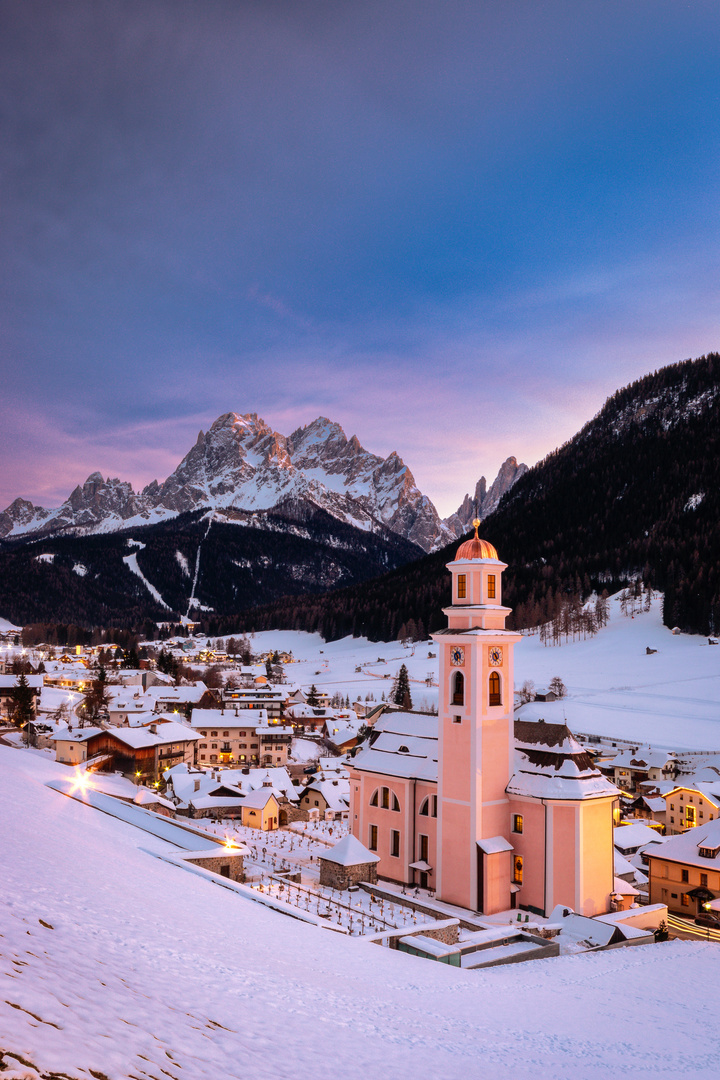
476, 548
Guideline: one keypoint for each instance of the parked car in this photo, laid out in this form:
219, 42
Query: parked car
708, 918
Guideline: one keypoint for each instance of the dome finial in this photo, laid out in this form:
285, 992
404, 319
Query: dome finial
476, 525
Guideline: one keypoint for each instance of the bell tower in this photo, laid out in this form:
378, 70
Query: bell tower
476, 737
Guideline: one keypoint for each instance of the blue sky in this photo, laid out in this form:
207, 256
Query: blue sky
455, 228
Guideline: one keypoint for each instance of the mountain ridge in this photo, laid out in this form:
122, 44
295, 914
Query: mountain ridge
242, 464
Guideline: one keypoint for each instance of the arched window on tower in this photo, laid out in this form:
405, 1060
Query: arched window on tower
374, 799
494, 687
458, 689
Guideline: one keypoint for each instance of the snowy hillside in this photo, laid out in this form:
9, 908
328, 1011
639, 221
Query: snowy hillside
670, 699
115, 964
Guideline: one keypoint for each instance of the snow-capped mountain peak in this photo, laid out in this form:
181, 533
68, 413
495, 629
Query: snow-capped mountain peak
241, 464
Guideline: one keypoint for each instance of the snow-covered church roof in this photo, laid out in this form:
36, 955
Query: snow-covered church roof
551, 764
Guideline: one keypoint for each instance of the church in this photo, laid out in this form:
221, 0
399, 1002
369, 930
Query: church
489, 812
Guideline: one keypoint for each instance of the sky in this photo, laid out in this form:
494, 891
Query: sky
455, 227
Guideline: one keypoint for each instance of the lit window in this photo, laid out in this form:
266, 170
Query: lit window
685, 900
518, 870
491, 586
517, 823
494, 688
461, 586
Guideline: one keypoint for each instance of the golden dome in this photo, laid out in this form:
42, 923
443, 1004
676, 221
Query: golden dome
476, 548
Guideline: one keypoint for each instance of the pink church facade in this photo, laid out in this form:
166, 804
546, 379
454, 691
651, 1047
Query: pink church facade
491, 813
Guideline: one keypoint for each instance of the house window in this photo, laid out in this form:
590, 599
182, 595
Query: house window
494, 688
386, 798
434, 806
213, 757
703, 880
685, 875
672, 820
425, 807
491, 586
395, 843
518, 869
395, 803
214, 734
457, 719
690, 816
203, 746
458, 689
213, 746
373, 838
424, 847
226, 734
672, 805
202, 757
517, 823
685, 899
462, 586
374, 797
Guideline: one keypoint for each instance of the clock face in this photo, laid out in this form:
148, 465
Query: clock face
457, 656
495, 656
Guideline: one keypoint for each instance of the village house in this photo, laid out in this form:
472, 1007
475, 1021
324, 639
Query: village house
633, 767
489, 813
179, 698
142, 752
240, 737
327, 799
685, 870
258, 797
264, 697
686, 807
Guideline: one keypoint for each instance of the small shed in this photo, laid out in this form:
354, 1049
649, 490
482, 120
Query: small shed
348, 863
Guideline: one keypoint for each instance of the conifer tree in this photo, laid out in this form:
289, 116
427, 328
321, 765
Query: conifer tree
23, 698
401, 689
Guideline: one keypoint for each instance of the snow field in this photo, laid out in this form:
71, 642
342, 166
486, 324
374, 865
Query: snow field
146, 971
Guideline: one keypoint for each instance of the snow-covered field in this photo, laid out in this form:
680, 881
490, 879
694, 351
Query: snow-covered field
116, 962
670, 699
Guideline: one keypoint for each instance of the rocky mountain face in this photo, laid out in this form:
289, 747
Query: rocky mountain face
241, 464
485, 501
